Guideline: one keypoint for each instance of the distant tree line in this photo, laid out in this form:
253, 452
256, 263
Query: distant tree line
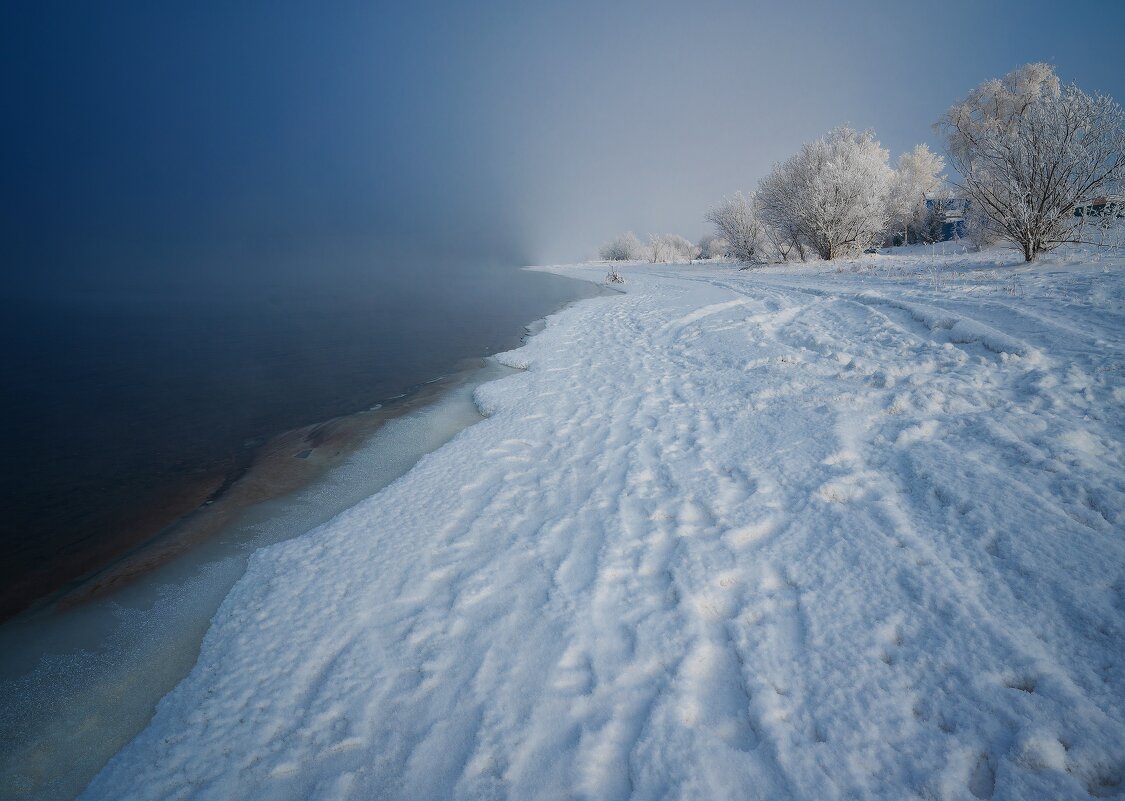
660, 248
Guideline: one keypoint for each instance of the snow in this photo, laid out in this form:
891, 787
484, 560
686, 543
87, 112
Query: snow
77, 684
849, 530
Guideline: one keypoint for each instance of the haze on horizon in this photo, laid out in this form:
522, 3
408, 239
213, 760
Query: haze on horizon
213, 144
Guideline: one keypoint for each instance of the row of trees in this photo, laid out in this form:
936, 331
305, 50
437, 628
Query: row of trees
1028, 150
837, 196
665, 248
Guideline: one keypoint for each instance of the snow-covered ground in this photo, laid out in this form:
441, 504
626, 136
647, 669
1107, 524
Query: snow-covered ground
855, 530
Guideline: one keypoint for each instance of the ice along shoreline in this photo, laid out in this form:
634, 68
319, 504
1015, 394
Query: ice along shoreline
82, 675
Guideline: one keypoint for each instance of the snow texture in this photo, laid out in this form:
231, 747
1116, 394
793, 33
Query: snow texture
852, 531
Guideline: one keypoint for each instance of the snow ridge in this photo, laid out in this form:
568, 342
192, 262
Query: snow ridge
755, 536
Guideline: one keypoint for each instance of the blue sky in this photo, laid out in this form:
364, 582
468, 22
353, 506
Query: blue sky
281, 138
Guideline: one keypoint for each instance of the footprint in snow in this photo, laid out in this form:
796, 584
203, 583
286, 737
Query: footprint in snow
982, 778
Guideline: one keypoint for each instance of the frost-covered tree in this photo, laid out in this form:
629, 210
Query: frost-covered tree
736, 220
681, 248
832, 195
1029, 149
625, 247
978, 230
778, 206
713, 246
783, 233
666, 248
916, 179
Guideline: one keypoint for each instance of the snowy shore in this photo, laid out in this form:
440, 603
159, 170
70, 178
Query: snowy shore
847, 531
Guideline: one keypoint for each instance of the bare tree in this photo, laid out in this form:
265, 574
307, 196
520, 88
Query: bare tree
625, 247
832, 195
736, 220
1028, 150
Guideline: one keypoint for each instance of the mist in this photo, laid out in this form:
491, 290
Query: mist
210, 147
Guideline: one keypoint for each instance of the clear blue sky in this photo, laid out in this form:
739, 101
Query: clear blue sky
150, 139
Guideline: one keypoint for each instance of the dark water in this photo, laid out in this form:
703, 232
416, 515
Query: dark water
117, 406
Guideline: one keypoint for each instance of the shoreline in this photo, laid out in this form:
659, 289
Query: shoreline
178, 506
285, 463
83, 671
189, 513
129, 632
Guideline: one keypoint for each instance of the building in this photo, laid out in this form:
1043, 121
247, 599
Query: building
954, 209
1106, 205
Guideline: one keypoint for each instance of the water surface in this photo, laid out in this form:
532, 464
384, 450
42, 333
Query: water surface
128, 407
